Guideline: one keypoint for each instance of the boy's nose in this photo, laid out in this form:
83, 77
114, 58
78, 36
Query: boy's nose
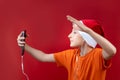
69, 36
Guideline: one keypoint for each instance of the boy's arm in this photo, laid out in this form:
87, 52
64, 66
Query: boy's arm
109, 50
41, 56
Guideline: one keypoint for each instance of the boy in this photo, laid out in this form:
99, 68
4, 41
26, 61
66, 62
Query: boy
84, 61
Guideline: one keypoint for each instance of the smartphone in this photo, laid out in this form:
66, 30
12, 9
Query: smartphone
23, 35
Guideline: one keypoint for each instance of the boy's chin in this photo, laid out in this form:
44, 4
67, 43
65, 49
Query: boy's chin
73, 46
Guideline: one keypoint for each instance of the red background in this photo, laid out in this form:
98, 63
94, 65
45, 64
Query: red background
45, 22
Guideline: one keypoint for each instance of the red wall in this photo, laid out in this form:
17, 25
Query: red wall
45, 21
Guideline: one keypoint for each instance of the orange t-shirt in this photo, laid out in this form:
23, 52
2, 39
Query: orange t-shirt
92, 66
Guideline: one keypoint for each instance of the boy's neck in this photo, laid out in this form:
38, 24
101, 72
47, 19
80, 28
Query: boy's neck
85, 49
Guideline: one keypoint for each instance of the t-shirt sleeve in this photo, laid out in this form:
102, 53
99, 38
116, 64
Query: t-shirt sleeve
63, 58
105, 63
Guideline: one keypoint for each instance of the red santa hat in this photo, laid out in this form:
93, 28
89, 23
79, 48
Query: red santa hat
94, 25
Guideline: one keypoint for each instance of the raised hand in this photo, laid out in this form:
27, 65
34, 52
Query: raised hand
78, 23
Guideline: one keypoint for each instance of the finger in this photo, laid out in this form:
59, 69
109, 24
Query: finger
21, 42
21, 38
20, 35
21, 45
68, 16
71, 19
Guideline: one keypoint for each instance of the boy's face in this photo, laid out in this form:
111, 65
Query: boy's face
76, 39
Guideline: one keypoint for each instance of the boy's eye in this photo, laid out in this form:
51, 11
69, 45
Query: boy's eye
74, 32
